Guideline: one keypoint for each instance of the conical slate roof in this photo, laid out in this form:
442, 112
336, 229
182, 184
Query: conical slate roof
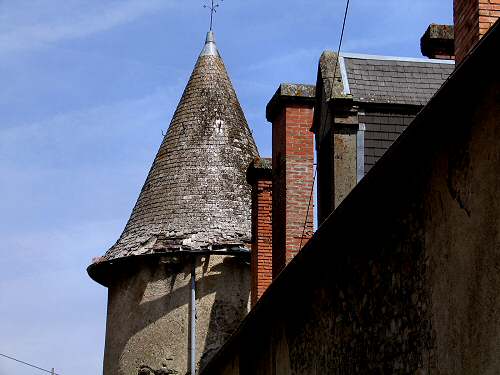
195, 196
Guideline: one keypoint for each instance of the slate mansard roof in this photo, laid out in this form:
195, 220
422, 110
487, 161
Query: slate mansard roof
386, 93
196, 196
392, 80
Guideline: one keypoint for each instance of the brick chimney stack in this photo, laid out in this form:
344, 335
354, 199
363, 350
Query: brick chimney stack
472, 20
259, 176
291, 113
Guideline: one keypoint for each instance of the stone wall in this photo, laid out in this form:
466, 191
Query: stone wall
148, 323
404, 277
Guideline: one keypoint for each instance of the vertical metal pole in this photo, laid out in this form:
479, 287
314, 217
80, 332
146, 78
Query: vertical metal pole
360, 157
211, 15
193, 317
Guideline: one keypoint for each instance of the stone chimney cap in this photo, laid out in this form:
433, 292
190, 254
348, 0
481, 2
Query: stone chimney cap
438, 42
210, 48
290, 92
260, 169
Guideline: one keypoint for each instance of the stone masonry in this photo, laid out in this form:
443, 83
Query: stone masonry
195, 195
187, 237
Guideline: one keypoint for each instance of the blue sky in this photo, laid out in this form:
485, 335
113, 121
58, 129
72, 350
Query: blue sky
88, 86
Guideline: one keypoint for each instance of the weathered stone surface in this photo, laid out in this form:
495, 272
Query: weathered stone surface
148, 321
289, 93
438, 42
195, 195
330, 75
195, 198
259, 168
344, 162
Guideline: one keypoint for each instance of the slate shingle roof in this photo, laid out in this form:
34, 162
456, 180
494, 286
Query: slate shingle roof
374, 79
196, 194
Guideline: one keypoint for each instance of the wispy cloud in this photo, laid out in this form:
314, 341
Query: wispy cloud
35, 23
87, 126
295, 57
64, 165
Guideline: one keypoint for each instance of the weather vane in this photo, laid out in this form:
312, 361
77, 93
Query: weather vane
213, 9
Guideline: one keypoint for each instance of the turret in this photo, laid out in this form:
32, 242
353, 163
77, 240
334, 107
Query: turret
178, 277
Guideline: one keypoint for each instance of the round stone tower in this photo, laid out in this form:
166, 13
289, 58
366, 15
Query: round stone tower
178, 277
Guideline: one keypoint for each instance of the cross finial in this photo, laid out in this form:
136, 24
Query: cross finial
213, 9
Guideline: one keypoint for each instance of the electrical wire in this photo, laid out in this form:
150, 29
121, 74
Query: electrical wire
28, 364
324, 123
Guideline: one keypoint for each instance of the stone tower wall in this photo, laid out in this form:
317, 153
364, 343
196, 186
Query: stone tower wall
148, 322
195, 201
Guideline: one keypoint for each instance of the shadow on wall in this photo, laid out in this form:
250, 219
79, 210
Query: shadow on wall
160, 289
136, 284
230, 280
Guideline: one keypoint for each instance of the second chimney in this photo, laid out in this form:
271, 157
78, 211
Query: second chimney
472, 20
291, 113
259, 176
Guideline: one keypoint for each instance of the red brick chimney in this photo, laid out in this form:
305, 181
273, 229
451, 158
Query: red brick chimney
259, 175
291, 113
472, 20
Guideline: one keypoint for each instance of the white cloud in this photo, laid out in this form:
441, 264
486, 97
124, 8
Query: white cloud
28, 24
87, 126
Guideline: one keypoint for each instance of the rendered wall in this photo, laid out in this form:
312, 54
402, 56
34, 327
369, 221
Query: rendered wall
404, 277
344, 163
149, 312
